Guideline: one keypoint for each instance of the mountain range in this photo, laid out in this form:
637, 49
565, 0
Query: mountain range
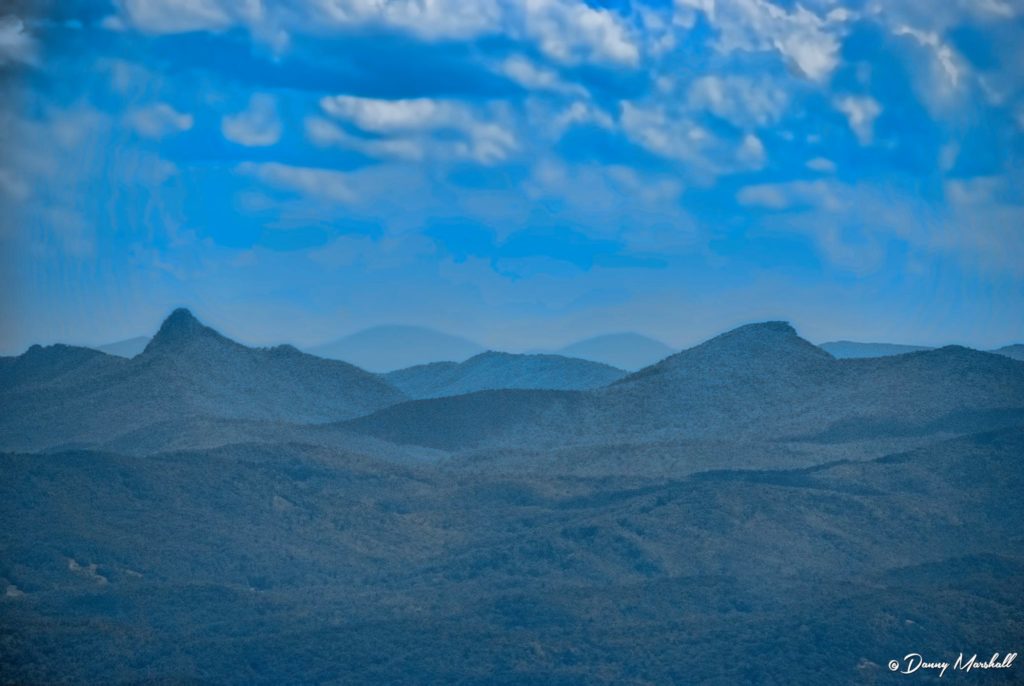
760, 382
496, 370
207, 512
629, 351
62, 395
387, 348
756, 382
848, 349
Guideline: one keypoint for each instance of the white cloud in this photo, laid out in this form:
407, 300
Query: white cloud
639, 208
943, 53
790, 194
444, 128
751, 152
324, 133
179, 16
256, 126
743, 101
973, 192
403, 115
851, 225
556, 122
325, 184
861, 112
808, 42
653, 129
686, 11
536, 78
670, 133
16, 45
159, 120
572, 31
431, 19
821, 164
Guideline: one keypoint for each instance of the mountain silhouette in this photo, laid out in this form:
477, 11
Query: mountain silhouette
848, 349
130, 347
1015, 351
756, 382
496, 370
629, 351
265, 515
64, 394
388, 348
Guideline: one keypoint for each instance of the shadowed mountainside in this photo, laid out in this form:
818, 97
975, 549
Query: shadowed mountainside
496, 370
756, 382
274, 564
227, 528
65, 395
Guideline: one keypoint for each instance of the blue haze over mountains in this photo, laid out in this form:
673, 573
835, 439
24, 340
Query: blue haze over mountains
207, 510
541, 342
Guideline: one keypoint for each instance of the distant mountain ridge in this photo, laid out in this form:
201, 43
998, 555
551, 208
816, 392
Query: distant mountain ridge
497, 370
853, 349
629, 351
383, 349
756, 382
64, 394
1015, 351
129, 347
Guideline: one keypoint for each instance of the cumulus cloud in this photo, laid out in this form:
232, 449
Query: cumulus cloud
533, 77
751, 152
179, 16
325, 184
606, 199
861, 112
850, 224
432, 19
258, 125
808, 42
326, 133
670, 133
943, 52
740, 100
580, 113
821, 164
159, 120
787, 195
444, 127
569, 31
573, 31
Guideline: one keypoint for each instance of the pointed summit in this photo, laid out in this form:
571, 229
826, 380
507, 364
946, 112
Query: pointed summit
763, 348
179, 328
773, 337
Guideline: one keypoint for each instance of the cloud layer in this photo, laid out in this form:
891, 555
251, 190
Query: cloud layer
554, 166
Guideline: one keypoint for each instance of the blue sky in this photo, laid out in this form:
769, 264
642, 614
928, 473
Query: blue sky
522, 173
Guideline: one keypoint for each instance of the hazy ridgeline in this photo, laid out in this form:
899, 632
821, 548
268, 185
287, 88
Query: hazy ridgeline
751, 510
